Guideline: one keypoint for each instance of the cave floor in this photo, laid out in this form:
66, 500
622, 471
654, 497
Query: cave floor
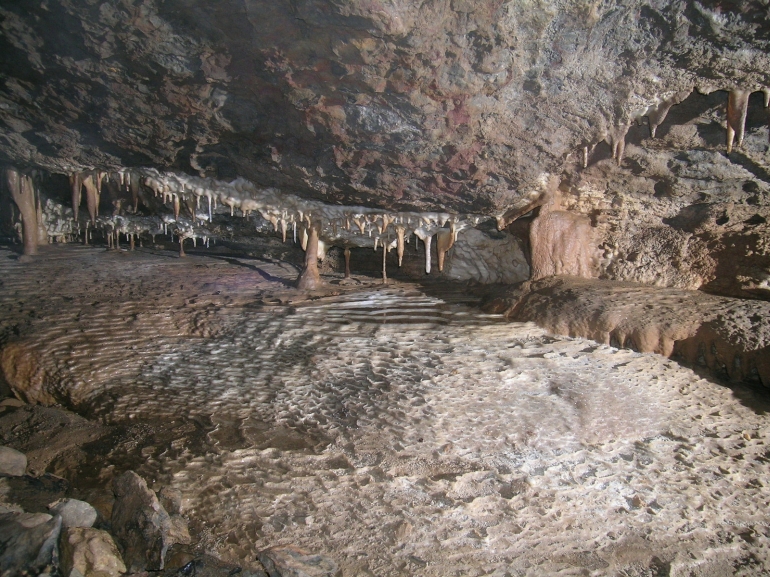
398, 432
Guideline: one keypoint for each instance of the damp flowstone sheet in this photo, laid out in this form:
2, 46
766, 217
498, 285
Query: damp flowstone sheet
395, 428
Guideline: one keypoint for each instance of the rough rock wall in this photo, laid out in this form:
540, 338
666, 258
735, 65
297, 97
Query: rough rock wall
447, 104
485, 258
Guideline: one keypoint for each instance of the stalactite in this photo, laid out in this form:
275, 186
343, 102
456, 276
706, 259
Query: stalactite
76, 182
617, 141
426, 237
400, 230
445, 240
92, 198
176, 206
585, 157
737, 107
657, 116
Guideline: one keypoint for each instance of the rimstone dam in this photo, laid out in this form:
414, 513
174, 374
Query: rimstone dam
382, 288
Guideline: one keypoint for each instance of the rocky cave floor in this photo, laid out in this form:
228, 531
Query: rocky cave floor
393, 428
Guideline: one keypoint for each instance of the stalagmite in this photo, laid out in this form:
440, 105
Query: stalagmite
181, 247
585, 157
23, 195
562, 242
445, 239
76, 183
400, 230
92, 198
347, 262
737, 107
309, 278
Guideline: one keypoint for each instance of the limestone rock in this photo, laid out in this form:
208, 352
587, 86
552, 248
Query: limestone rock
140, 523
27, 541
292, 562
89, 552
12, 462
74, 513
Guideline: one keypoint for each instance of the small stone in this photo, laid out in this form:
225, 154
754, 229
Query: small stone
12, 462
74, 513
292, 562
27, 542
89, 552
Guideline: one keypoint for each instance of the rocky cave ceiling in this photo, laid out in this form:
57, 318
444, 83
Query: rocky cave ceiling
449, 105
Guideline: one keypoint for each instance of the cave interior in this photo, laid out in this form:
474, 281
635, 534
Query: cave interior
386, 287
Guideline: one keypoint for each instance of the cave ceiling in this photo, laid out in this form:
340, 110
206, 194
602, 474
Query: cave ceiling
453, 105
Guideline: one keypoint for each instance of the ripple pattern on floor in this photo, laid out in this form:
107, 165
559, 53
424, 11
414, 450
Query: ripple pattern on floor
403, 434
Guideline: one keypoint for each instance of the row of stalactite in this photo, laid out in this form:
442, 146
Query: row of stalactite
737, 109
26, 197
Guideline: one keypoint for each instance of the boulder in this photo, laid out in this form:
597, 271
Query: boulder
141, 525
89, 552
27, 542
74, 513
293, 562
12, 462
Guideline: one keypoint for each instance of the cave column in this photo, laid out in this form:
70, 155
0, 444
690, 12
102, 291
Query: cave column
384, 263
309, 278
347, 263
23, 194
